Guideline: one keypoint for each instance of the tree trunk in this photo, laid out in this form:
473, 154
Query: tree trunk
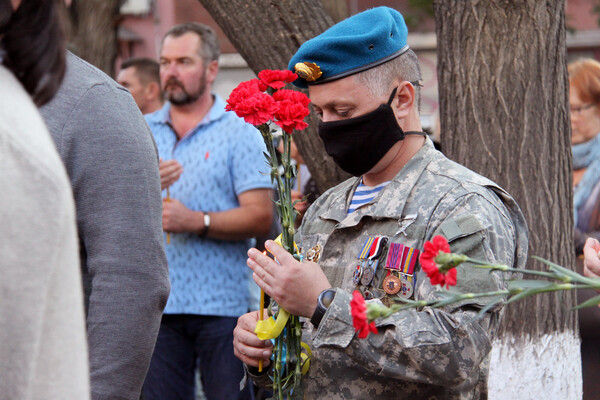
267, 34
504, 113
92, 31
337, 10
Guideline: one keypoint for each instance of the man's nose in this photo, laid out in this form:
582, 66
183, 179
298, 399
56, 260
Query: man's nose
170, 70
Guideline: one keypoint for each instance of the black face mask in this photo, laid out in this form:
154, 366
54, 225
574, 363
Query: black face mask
357, 144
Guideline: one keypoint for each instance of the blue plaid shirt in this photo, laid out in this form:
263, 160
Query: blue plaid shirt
222, 157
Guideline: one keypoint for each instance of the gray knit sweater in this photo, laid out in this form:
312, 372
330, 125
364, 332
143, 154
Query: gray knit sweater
112, 163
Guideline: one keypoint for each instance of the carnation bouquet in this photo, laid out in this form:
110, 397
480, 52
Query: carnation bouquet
440, 266
263, 102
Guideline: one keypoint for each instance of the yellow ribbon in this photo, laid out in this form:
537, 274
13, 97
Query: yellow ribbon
270, 328
305, 358
278, 241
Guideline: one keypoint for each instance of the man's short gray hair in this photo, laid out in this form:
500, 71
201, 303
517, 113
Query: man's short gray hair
405, 67
209, 50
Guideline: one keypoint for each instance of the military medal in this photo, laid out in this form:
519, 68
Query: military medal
392, 284
314, 253
371, 251
401, 259
367, 275
364, 253
407, 288
357, 274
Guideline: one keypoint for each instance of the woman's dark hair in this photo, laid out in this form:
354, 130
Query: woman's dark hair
33, 46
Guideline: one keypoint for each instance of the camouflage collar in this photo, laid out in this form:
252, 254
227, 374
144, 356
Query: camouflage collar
402, 183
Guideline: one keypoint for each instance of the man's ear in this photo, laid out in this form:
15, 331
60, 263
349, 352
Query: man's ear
211, 71
404, 99
152, 90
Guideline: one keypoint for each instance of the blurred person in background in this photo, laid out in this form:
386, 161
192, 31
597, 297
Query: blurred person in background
141, 77
212, 212
584, 99
43, 350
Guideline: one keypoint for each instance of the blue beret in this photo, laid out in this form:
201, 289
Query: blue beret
355, 44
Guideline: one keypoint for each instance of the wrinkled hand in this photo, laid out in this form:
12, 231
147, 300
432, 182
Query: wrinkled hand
176, 217
246, 345
170, 171
293, 285
591, 263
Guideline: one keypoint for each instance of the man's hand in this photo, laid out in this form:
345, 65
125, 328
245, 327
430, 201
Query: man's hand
178, 218
591, 263
293, 285
246, 345
170, 171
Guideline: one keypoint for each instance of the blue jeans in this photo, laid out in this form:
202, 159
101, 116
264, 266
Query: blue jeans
189, 341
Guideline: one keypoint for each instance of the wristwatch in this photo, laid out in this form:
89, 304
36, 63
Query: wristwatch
323, 302
206, 224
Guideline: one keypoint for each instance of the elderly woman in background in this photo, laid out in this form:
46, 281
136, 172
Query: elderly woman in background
584, 97
584, 94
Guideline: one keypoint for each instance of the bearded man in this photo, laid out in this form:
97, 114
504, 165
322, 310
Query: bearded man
217, 201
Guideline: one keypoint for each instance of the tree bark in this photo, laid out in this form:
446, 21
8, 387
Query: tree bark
91, 29
337, 10
504, 113
267, 34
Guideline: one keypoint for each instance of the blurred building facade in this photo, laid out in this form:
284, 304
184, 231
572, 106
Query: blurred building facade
144, 22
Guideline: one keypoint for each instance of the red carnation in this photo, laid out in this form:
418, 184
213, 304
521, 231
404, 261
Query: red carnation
242, 92
440, 270
292, 109
276, 78
253, 85
258, 108
292, 95
358, 308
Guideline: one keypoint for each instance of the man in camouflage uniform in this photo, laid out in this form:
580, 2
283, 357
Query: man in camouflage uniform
365, 234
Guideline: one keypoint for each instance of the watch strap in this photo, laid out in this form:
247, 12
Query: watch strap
206, 220
323, 302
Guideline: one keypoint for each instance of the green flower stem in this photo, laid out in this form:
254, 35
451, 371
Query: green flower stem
560, 279
298, 346
376, 310
595, 286
505, 268
292, 370
554, 288
277, 381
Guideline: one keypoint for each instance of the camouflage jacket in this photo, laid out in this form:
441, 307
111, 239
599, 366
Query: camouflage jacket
418, 354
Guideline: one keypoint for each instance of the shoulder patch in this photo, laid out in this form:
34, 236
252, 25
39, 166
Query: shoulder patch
462, 226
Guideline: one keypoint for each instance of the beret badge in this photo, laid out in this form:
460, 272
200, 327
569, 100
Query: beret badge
308, 71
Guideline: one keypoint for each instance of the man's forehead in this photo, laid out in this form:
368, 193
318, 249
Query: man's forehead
128, 74
187, 44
